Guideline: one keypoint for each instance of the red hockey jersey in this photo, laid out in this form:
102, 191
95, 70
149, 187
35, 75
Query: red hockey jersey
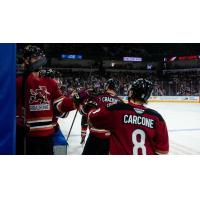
103, 100
135, 129
42, 98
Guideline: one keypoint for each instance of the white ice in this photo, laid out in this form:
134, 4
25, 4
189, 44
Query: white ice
183, 122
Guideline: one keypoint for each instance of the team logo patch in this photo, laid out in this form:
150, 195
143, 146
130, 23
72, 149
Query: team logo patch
39, 99
39, 95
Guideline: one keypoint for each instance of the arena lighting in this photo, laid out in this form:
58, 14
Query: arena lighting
71, 56
171, 59
112, 64
187, 57
149, 66
132, 59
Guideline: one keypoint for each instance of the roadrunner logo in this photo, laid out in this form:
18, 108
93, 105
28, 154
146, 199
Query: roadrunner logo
39, 98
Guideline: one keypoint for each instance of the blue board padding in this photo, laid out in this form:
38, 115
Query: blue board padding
7, 98
59, 139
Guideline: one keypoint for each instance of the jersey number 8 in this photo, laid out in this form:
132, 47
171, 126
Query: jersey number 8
138, 144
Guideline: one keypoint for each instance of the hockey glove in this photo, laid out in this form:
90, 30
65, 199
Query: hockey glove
88, 106
80, 96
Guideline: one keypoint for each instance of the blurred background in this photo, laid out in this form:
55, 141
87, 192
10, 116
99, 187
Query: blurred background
174, 68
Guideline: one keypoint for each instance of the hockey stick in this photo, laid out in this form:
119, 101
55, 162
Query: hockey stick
90, 74
72, 125
25, 76
76, 111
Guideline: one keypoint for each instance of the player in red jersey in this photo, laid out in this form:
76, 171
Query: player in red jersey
37, 98
98, 139
59, 141
135, 129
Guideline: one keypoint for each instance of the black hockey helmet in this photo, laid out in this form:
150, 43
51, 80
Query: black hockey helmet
32, 51
111, 84
140, 90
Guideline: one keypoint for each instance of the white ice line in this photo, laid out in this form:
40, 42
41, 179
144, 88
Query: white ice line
181, 130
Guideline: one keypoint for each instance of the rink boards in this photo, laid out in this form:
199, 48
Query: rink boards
173, 99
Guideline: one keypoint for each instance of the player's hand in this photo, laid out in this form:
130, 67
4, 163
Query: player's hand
80, 96
89, 105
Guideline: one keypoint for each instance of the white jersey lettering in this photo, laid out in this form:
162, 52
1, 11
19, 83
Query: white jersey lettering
133, 119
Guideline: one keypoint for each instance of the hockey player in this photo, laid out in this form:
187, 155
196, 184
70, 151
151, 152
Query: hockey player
59, 141
37, 98
135, 129
98, 139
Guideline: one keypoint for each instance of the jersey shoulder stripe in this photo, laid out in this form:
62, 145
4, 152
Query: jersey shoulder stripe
124, 106
154, 113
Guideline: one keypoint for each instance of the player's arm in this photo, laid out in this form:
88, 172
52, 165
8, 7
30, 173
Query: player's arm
161, 138
62, 104
68, 103
101, 118
87, 107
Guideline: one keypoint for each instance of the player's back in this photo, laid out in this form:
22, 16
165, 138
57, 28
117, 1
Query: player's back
105, 99
137, 130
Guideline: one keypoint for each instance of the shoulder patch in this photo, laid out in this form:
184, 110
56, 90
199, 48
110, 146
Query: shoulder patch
139, 111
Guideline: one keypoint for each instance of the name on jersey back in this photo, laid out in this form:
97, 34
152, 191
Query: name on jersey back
134, 119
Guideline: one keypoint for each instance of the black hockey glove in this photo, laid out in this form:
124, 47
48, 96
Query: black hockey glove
89, 105
80, 96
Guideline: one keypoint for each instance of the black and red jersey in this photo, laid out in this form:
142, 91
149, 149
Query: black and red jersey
103, 100
135, 129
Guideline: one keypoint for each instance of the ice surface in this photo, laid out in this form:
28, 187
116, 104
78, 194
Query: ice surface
183, 122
